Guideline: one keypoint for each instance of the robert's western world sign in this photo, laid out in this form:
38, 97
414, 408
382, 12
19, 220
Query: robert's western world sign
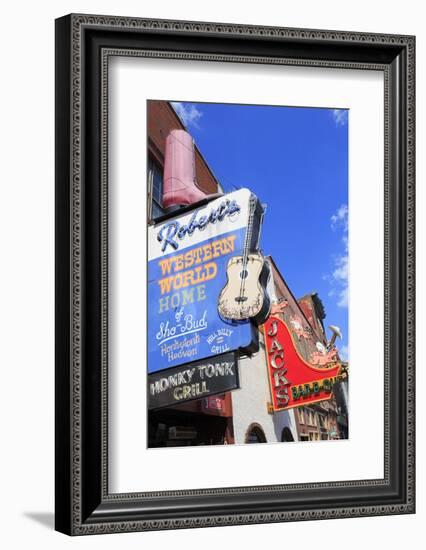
193, 381
187, 259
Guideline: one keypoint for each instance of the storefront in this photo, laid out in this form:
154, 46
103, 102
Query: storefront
206, 421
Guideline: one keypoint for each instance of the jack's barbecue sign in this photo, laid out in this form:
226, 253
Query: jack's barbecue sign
187, 260
293, 381
193, 381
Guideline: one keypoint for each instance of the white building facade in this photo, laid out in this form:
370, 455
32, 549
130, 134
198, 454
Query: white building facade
253, 420
253, 423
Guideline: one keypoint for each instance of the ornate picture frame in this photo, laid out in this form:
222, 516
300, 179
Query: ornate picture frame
84, 45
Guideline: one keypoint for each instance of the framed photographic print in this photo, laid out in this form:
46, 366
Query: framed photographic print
234, 267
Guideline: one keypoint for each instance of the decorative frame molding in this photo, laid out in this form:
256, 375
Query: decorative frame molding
84, 44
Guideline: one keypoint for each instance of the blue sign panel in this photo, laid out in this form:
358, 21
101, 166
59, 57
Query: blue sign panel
184, 283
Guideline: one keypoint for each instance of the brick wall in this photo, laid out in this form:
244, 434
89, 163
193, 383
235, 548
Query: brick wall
161, 120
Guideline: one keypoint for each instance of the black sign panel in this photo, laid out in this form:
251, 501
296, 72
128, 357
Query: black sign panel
195, 380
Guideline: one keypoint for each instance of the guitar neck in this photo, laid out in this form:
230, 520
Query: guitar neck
249, 231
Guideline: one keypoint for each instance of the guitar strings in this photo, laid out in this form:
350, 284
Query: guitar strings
246, 253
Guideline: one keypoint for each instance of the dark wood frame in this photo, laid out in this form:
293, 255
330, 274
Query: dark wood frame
83, 46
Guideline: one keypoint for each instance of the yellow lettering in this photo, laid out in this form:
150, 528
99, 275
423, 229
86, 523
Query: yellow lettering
217, 247
207, 249
166, 284
166, 265
199, 255
229, 244
189, 259
179, 263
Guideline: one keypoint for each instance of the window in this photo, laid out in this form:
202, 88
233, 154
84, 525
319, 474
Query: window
322, 421
311, 418
255, 434
155, 190
286, 435
301, 414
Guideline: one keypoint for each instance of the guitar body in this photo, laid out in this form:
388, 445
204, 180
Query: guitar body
244, 295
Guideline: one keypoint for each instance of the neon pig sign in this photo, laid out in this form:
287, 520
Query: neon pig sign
293, 381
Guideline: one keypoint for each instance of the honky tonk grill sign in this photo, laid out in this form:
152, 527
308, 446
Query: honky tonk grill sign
293, 381
193, 381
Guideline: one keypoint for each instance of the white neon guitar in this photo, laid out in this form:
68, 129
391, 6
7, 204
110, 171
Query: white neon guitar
244, 296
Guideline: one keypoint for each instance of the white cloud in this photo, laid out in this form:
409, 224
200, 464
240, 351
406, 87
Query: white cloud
344, 353
188, 113
343, 294
340, 116
340, 275
340, 218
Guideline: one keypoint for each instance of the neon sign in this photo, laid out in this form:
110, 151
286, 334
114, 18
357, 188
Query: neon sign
172, 230
187, 260
293, 381
193, 381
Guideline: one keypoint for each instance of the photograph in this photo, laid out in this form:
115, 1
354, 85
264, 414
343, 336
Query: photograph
248, 274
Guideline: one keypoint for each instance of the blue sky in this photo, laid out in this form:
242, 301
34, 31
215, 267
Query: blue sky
296, 161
